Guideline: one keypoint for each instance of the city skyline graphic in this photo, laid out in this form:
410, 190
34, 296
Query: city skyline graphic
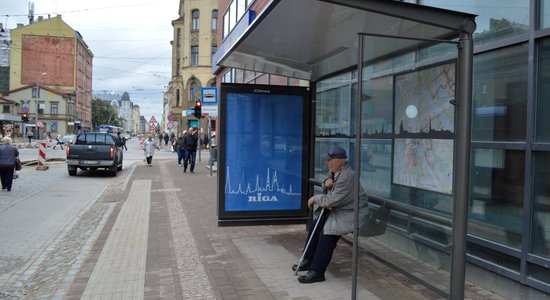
271, 185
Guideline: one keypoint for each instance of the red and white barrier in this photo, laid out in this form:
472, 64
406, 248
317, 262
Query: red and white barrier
42, 157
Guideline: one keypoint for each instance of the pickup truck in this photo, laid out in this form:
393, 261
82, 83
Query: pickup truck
95, 150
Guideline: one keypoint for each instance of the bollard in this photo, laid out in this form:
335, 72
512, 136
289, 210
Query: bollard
42, 157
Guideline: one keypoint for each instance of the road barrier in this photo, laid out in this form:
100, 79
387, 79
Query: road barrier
42, 157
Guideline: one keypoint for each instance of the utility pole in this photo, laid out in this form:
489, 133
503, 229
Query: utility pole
37, 105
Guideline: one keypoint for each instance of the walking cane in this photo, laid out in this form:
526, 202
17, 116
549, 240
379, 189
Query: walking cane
309, 241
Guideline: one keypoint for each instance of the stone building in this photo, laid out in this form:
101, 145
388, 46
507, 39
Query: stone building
192, 48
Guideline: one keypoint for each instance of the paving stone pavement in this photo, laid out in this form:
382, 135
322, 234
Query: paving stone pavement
166, 222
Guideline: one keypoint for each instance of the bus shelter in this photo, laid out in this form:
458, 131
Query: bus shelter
313, 39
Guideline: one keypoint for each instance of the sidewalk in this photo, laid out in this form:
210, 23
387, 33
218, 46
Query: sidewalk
183, 254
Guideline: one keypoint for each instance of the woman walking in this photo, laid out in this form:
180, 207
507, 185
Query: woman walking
8, 154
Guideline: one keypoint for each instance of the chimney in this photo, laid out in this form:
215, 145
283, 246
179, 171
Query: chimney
40, 18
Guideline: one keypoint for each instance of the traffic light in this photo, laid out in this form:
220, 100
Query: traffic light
198, 110
25, 117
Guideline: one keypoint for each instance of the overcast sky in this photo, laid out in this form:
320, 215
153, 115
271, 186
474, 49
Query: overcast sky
130, 41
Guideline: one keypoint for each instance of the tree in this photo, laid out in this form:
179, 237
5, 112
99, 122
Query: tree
103, 113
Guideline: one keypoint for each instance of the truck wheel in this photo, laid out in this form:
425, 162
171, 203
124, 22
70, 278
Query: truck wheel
72, 171
113, 170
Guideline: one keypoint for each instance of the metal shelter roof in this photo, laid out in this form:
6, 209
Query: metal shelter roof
309, 39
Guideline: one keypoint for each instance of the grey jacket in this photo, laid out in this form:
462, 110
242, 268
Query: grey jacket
340, 201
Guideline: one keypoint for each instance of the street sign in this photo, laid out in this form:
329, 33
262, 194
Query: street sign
187, 113
170, 125
209, 95
39, 124
170, 117
211, 110
152, 120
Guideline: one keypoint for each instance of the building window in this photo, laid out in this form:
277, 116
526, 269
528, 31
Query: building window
178, 42
41, 105
194, 90
54, 108
6, 109
194, 55
500, 95
542, 133
177, 97
215, 19
226, 28
508, 18
214, 49
195, 23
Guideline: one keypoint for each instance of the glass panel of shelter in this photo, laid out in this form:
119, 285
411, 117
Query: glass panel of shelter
407, 138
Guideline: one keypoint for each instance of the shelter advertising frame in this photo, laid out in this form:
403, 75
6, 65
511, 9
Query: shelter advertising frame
263, 154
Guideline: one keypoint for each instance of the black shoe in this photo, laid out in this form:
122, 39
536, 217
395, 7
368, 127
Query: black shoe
304, 266
311, 277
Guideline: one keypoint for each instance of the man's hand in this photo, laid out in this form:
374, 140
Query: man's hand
310, 202
329, 183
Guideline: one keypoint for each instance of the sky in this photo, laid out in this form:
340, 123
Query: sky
130, 41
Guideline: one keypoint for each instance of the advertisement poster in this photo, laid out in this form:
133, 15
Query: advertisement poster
262, 154
424, 129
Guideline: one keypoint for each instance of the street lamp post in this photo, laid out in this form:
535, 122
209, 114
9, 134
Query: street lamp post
37, 104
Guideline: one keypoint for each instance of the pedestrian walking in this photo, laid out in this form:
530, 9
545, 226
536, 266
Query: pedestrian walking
337, 203
180, 147
190, 142
149, 148
122, 140
8, 155
59, 142
166, 139
30, 134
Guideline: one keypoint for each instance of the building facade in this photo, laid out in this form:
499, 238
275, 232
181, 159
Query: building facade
193, 45
53, 108
136, 120
508, 241
50, 53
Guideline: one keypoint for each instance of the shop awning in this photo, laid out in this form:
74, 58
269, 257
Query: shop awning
309, 39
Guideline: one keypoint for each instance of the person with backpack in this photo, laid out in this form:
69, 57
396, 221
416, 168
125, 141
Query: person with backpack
190, 144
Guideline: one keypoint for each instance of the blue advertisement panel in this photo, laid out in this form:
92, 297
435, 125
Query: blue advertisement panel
262, 151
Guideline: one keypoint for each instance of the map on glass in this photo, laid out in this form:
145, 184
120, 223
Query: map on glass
424, 164
424, 129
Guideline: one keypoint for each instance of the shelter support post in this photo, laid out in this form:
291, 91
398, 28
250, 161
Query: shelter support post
357, 186
462, 160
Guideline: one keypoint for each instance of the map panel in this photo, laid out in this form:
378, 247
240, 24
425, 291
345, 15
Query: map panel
424, 163
424, 129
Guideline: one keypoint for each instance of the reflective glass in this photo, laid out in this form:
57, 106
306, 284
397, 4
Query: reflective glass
544, 13
540, 221
542, 131
500, 95
333, 116
496, 19
496, 195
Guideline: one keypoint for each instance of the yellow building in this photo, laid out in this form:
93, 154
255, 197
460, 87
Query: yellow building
193, 45
50, 53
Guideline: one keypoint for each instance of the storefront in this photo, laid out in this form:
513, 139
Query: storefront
407, 131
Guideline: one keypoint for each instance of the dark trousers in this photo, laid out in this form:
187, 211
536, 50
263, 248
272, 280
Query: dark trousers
181, 154
6, 176
321, 247
30, 138
149, 160
189, 158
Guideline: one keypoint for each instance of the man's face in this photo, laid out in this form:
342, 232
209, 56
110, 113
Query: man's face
334, 164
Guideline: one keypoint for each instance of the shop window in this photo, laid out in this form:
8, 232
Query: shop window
500, 95
496, 195
540, 221
542, 130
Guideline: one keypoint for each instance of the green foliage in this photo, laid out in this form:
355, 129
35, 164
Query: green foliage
103, 113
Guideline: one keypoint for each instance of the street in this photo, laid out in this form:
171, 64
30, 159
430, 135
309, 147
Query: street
152, 233
49, 221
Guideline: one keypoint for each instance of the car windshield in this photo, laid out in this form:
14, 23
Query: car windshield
95, 139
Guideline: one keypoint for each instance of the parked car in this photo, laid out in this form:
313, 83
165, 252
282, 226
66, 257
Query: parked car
95, 150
